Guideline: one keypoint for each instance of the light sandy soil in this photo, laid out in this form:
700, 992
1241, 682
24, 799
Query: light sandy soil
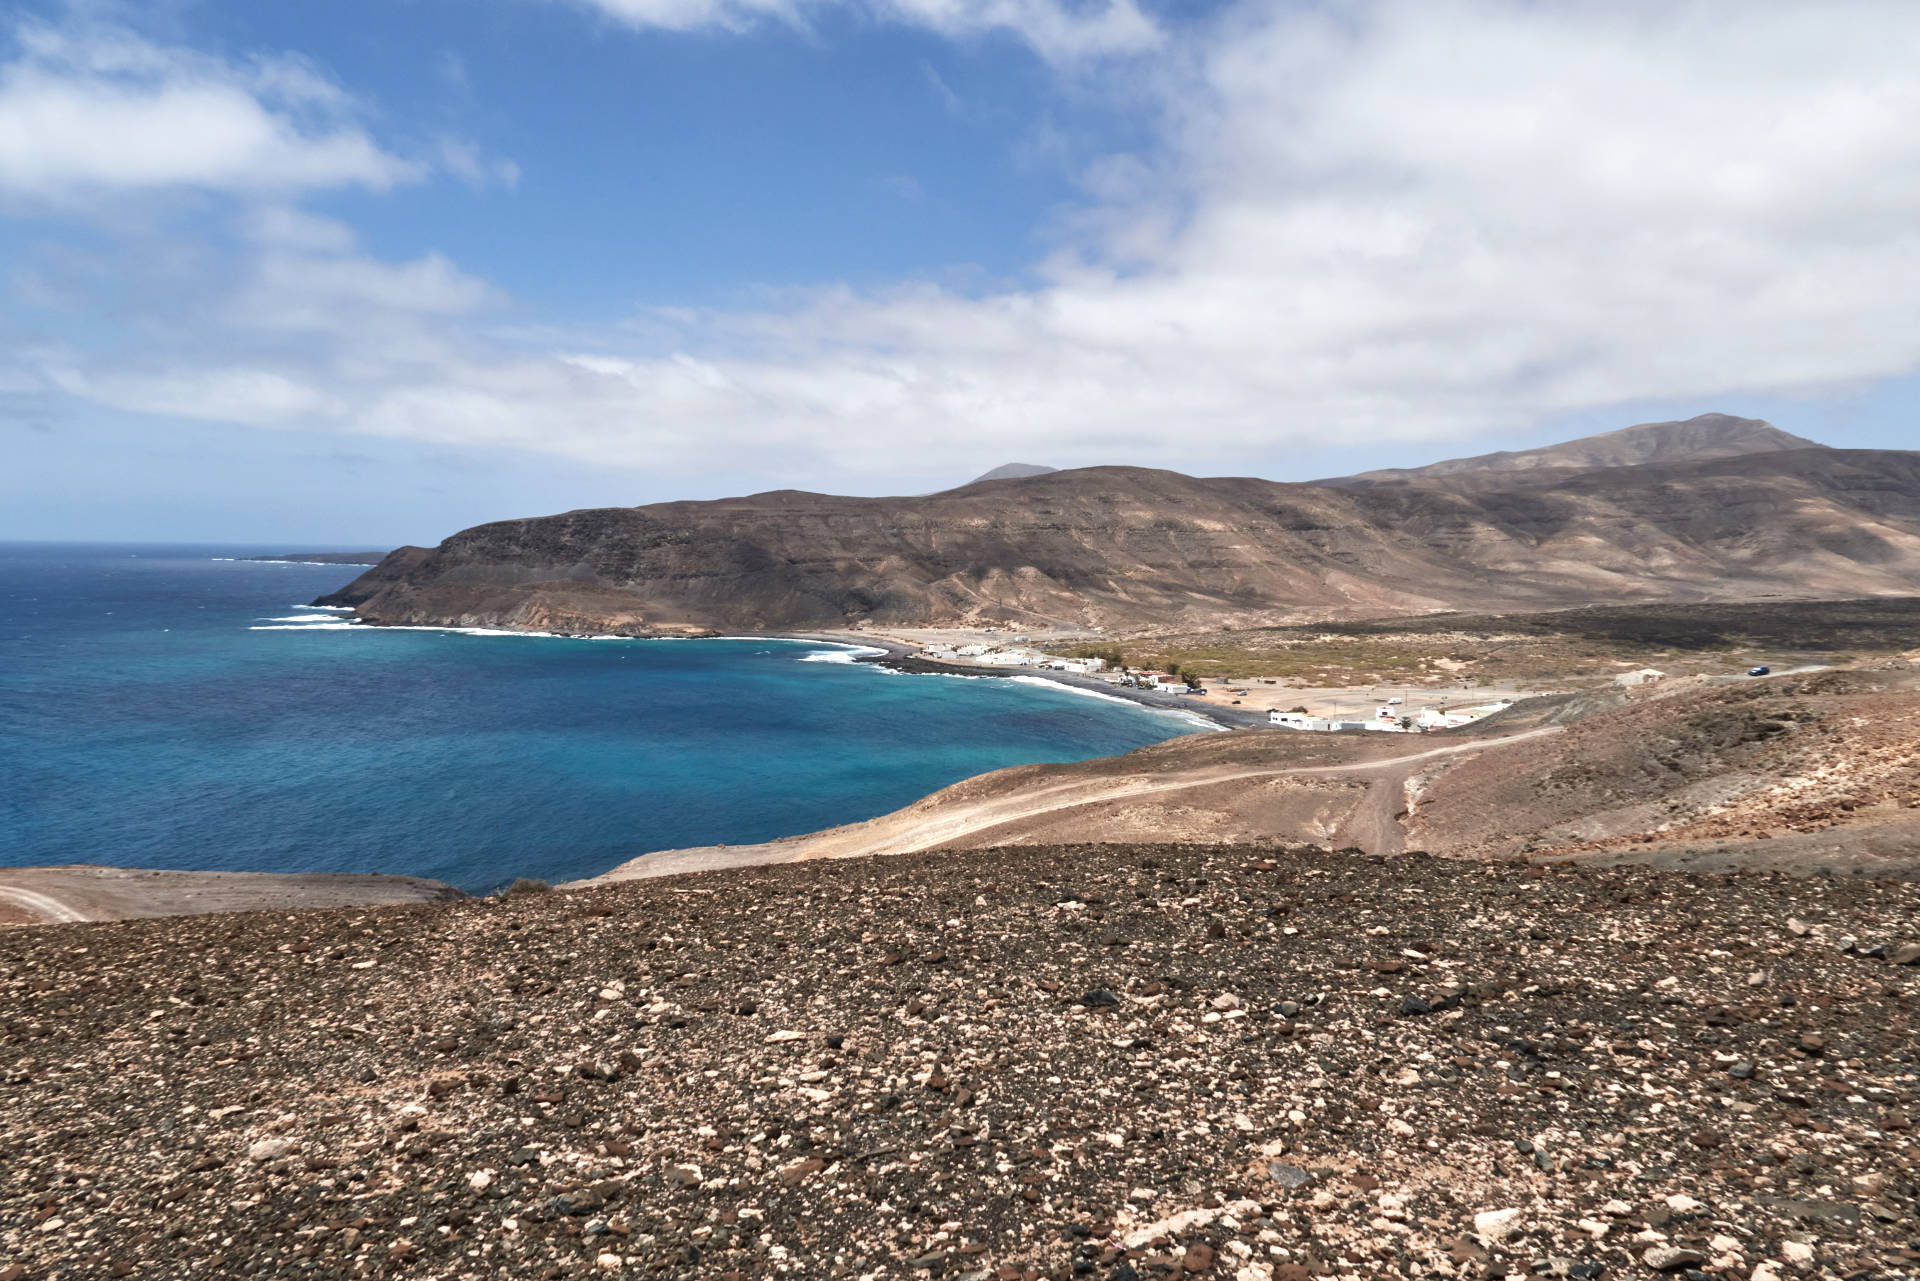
41, 895
1358, 805
1260, 695
1360, 702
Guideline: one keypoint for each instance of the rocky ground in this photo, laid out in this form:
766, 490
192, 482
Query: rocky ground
1103, 1061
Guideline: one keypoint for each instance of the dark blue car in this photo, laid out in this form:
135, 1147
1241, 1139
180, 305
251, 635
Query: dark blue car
1758, 671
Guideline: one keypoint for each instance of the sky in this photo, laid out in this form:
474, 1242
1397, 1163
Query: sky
363, 272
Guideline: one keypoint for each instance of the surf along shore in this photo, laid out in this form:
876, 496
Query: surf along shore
899, 656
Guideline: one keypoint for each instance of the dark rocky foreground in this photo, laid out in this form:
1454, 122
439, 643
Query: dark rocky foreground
1116, 1062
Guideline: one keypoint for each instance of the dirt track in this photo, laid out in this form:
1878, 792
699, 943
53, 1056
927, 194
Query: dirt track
1371, 825
37, 895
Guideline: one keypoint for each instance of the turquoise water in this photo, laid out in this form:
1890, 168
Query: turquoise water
162, 708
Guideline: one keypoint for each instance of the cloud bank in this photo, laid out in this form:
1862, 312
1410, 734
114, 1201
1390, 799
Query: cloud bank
1395, 220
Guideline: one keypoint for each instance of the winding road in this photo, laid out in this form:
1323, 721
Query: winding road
42, 905
1373, 826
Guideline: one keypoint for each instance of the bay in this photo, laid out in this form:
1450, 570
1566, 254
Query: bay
166, 706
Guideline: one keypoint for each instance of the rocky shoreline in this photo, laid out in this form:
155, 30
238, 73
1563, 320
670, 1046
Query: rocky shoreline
1118, 1062
901, 657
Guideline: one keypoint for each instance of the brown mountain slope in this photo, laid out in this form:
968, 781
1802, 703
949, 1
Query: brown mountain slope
1693, 440
1129, 547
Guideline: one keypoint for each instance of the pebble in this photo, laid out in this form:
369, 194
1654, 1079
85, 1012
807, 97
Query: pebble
1671, 1258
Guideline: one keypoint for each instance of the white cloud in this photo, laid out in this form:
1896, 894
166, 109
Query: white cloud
1060, 31
90, 110
105, 110
1420, 220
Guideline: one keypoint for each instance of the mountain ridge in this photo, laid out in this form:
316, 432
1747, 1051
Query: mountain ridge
1123, 547
1696, 439
1013, 471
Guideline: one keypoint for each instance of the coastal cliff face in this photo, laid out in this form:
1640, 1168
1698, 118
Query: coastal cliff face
1122, 547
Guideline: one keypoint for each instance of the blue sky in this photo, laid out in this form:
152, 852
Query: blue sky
365, 272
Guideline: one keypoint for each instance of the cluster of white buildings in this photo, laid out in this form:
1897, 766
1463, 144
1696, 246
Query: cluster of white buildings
1389, 719
994, 656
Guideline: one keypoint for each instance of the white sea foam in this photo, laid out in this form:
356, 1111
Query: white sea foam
310, 619
338, 609
331, 625
850, 654
1176, 712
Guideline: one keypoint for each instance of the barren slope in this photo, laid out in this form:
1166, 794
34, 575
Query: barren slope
1749, 770
1694, 440
1245, 1063
1125, 547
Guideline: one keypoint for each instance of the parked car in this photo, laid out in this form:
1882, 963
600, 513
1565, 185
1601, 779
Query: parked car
1758, 671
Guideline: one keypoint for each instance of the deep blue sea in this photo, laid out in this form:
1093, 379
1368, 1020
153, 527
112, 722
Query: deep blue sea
160, 707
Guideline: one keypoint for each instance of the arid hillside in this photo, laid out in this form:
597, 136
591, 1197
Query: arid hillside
1797, 772
1694, 440
1555, 648
1125, 548
1222, 1063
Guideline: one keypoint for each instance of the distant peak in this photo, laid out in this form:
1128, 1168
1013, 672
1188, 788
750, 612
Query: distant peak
1697, 439
1013, 471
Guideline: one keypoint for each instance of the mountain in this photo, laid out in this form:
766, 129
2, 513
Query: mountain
1014, 471
1694, 440
1127, 547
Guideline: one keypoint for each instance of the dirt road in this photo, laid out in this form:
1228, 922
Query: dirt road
58, 895
40, 907
930, 825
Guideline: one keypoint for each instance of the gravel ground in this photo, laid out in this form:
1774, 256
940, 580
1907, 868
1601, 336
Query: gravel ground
1105, 1061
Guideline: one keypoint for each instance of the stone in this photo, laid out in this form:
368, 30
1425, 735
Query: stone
1672, 1258
585, 1201
1288, 1176
1099, 999
1798, 1253
1199, 1257
1905, 954
1497, 1225
1741, 1071
683, 1176
794, 1171
269, 1150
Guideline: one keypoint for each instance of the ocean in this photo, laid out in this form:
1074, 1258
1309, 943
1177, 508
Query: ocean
165, 706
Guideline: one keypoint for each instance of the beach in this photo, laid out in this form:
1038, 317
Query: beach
903, 655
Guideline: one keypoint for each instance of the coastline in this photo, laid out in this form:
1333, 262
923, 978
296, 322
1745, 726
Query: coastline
895, 655
898, 656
